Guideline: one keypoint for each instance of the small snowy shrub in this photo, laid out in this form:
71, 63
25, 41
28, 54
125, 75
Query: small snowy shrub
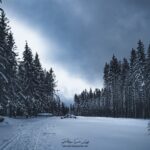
1, 119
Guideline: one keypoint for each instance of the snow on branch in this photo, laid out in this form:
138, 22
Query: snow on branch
4, 77
3, 66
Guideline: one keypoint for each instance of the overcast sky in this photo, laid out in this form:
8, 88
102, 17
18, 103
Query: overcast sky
77, 37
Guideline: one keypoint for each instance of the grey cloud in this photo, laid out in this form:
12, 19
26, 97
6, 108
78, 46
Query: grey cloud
88, 31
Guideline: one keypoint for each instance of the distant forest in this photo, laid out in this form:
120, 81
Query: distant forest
26, 89
126, 91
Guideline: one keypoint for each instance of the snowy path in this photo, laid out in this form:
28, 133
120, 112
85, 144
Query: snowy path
30, 134
82, 133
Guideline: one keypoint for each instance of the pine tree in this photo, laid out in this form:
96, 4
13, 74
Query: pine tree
131, 85
49, 87
77, 104
107, 85
11, 75
126, 89
27, 79
65, 109
3, 61
147, 83
140, 51
125, 98
25, 89
115, 70
38, 84
140, 79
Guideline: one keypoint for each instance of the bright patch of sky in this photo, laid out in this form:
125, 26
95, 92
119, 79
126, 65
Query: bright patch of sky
68, 84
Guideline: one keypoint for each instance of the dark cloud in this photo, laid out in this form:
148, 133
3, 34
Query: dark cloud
88, 32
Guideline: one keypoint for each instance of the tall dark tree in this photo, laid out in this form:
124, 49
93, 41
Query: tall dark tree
27, 78
25, 89
140, 79
12, 87
49, 88
3, 61
126, 89
147, 83
115, 70
125, 100
38, 83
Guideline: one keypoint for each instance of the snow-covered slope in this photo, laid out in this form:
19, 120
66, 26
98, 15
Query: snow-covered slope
92, 133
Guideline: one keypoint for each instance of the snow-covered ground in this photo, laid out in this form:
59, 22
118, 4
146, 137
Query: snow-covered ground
91, 133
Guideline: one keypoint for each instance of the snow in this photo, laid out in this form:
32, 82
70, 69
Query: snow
3, 65
91, 133
4, 77
45, 114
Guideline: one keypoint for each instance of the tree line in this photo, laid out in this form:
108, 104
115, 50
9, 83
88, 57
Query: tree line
25, 87
126, 91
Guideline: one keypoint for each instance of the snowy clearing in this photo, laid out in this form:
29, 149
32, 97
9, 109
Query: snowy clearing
92, 133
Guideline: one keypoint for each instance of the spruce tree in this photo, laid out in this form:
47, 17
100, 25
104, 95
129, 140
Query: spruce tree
140, 80
147, 83
4, 99
38, 84
12, 75
28, 79
49, 86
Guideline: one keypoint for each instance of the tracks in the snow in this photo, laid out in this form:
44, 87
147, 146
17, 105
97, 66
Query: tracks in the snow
12, 142
37, 139
30, 136
9, 142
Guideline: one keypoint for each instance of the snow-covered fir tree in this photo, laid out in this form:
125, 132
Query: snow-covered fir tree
25, 87
4, 61
126, 89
